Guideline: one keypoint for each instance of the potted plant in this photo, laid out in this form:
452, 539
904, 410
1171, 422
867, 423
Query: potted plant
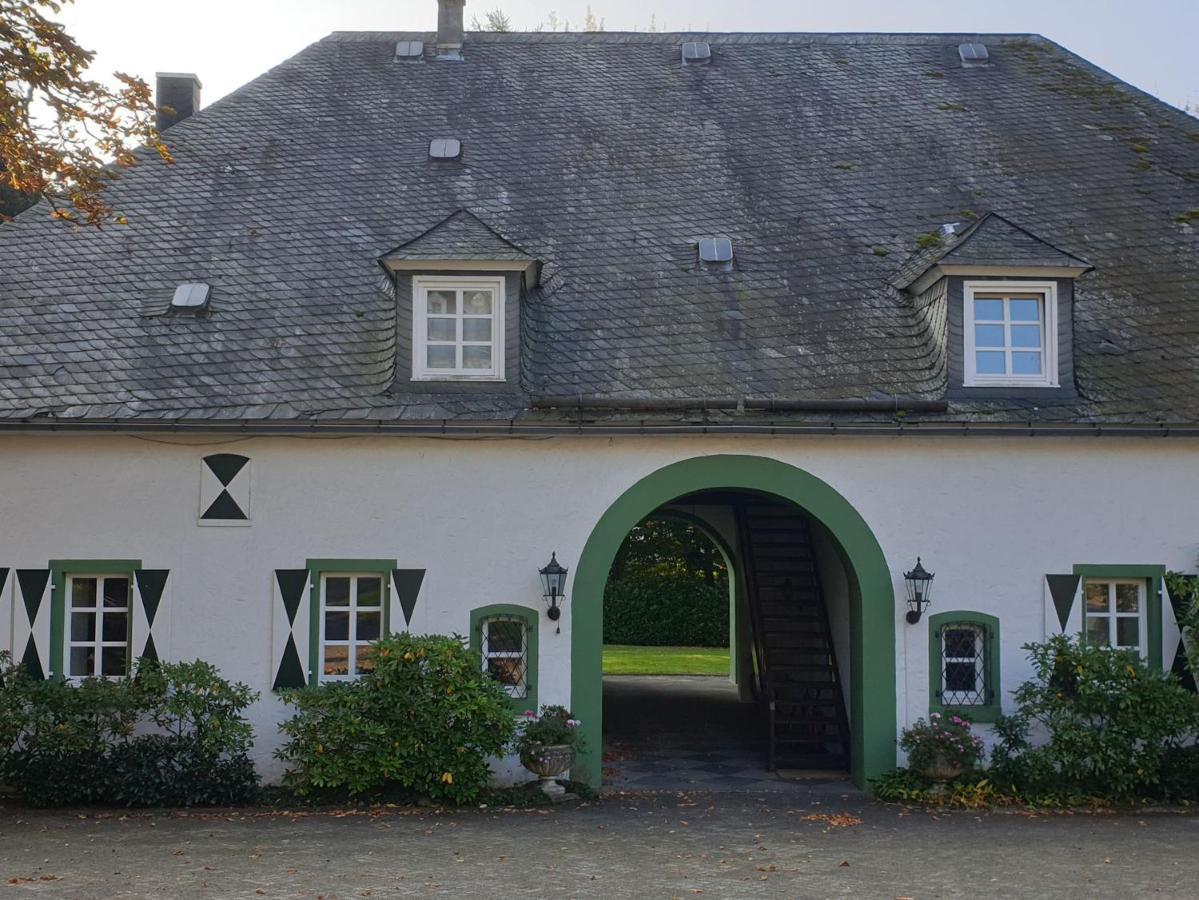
941, 748
547, 744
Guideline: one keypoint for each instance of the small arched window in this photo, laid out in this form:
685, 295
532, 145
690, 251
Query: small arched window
964, 665
505, 637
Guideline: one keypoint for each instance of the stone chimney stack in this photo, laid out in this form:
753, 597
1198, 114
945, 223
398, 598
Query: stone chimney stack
178, 90
449, 29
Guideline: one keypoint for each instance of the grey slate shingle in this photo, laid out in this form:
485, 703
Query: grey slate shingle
821, 156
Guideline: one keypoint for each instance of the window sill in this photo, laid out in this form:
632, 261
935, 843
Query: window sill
979, 715
495, 379
1009, 383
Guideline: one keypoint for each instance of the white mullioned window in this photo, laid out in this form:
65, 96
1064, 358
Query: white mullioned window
1114, 613
458, 329
98, 622
351, 619
505, 653
1010, 333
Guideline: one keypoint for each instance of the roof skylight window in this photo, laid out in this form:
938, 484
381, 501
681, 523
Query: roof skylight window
445, 148
696, 53
409, 50
973, 55
191, 297
716, 251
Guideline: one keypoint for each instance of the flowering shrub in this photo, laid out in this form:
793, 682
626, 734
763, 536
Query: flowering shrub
942, 740
555, 726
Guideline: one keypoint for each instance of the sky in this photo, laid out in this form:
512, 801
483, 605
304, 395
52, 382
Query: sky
1149, 43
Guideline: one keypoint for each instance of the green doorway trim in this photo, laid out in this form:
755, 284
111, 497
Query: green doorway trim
872, 607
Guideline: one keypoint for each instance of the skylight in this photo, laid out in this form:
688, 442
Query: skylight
696, 53
445, 148
973, 54
408, 50
715, 250
191, 297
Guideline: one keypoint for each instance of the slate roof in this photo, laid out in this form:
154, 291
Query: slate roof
822, 157
459, 237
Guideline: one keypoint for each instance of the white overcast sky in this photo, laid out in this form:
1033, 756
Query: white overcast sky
1150, 43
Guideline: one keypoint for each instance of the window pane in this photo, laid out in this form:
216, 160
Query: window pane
476, 329
113, 661
442, 329
443, 302
988, 335
505, 636
506, 670
476, 357
440, 357
337, 660
1128, 598
960, 676
1026, 363
337, 626
989, 362
1097, 631
83, 592
364, 659
1128, 632
116, 626
368, 626
959, 643
1096, 592
988, 310
476, 302
1025, 310
337, 592
83, 626
82, 659
370, 591
1026, 336
116, 592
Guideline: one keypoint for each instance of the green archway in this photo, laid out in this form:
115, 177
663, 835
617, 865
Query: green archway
872, 598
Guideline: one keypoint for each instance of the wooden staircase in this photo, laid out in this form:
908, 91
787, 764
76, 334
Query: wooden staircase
796, 664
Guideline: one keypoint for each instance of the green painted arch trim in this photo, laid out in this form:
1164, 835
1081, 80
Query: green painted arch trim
1154, 575
993, 709
319, 567
872, 607
529, 616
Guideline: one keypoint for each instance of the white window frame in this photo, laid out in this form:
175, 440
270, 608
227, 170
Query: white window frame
1112, 616
99, 611
351, 643
1048, 292
516, 691
421, 285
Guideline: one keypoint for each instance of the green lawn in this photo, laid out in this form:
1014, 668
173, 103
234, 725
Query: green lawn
621, 659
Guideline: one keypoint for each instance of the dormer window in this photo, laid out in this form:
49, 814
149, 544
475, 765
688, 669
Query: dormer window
458, 328
1010, 331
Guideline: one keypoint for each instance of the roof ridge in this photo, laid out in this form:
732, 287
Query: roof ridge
673, 37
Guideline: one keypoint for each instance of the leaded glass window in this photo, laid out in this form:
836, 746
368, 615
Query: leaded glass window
964, 665
505, 653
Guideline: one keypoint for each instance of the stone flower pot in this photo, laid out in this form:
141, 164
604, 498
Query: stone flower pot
942, 769
548, 761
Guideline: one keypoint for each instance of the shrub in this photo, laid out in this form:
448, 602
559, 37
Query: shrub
1108, 721
666, 611
941, 740
79, 744
426, 720
968, 791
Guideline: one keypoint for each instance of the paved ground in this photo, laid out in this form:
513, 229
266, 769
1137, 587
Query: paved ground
666, 845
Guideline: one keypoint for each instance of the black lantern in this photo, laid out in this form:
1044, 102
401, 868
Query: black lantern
553, 587
920, 590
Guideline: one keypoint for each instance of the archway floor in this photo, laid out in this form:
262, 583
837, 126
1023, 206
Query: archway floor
690, 732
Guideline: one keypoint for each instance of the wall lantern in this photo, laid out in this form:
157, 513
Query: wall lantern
920, 591
553, 588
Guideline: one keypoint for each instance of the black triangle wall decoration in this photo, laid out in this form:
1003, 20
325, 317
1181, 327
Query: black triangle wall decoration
31, 661
291, 673
150, 584
1063, 588
225, 466
291, 586
407, 585
33, 586
223, 507
150, 651
3, 579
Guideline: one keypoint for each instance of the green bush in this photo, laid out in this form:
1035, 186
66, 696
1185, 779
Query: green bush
426, 720
70, 744
666, 612
1092, 722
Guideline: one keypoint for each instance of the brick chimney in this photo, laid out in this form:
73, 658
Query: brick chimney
449, 29
178, 90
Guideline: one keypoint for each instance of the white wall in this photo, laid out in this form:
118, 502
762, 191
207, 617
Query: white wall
989, 516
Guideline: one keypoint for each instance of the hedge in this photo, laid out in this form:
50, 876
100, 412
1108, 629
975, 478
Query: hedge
665, 612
